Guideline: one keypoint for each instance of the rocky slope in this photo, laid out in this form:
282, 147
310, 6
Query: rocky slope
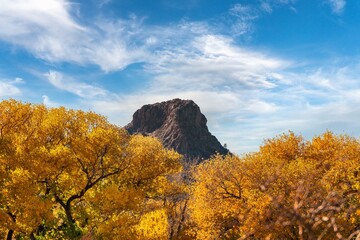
180, 125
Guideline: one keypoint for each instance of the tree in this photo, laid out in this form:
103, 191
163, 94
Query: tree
134, 207
20, 197
290, 189
64, 170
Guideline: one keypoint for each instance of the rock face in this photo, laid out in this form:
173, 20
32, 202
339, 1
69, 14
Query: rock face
180, 125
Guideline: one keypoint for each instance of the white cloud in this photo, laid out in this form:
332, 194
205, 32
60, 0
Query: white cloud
309, 104
265, 6
68, 84
8, 88
45, 28
215, 61
118, 44
101, 3
18, 80
48, 102
48, 30
244, 12
243, 18
19, 15
337, 6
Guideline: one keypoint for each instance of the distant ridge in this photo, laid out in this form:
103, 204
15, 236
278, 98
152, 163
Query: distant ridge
180, 125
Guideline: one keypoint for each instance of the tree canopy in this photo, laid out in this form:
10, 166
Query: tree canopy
64, 173
70, 174
290, 189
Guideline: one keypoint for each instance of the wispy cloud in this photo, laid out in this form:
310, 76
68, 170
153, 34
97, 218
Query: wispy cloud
102, 3
243, 17
49, 30
265, 6
181, 4
10, 88
337, 6
211, 61
48, 102
66, 83
43, 28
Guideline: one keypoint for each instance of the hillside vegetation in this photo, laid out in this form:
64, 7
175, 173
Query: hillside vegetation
69, 174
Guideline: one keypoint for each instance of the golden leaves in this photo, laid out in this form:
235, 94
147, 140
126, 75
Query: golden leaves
290, 189
66, 174
71, 171
153, 225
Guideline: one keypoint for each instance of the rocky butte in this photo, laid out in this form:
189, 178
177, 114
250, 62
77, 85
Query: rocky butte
180, 125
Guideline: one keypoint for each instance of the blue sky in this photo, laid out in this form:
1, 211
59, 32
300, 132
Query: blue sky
256, 68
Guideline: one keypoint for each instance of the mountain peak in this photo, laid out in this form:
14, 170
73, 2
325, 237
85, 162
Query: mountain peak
180, 125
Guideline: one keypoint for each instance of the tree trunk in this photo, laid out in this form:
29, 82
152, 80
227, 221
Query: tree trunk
67, 208
69, 214
10, 234
32, 237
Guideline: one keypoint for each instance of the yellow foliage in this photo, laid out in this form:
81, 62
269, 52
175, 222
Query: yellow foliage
71, 172
153, 225
290, 189
68, 174
137, 194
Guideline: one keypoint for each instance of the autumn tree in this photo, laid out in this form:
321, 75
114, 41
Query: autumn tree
134, 204
290, 189
64, 170
22, 206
